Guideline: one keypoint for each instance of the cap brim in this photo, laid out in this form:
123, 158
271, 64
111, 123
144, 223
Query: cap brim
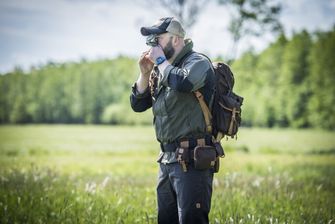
146, 31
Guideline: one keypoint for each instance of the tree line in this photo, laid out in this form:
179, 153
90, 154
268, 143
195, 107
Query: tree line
289, 84
84, 92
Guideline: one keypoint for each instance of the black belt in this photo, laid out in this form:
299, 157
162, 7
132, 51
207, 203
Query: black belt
171, 147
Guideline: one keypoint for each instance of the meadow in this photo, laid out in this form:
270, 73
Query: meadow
108, 174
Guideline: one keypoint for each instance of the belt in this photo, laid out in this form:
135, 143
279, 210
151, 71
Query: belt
192, 143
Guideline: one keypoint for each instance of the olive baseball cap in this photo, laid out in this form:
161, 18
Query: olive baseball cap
163, 25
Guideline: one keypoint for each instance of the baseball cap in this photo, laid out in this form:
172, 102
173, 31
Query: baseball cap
163, 25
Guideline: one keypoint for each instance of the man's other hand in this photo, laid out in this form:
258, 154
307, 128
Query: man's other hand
145, 64
156, 52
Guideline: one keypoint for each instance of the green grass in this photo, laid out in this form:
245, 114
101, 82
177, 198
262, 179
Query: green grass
103, 174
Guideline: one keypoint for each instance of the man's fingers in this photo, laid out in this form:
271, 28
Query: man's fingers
145, 53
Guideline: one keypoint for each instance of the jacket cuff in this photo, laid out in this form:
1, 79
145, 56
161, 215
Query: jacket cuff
165, 75
138, 95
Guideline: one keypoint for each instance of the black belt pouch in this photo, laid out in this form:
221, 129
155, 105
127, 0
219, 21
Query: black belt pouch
204, 157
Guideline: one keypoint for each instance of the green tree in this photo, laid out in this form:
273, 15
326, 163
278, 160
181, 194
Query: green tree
16, 98
245, 73
268, 72
321, 105
294, 91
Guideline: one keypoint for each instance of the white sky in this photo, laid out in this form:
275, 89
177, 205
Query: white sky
33, 32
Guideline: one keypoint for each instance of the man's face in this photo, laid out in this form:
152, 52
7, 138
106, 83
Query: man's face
165, 41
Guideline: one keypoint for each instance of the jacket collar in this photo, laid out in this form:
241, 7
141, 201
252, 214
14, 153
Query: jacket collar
186, 50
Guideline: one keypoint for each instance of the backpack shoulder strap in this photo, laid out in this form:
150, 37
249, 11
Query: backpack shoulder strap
205, 110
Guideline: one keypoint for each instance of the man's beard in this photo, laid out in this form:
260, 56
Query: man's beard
169, 50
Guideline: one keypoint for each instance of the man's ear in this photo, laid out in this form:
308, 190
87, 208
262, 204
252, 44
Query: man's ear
176, 40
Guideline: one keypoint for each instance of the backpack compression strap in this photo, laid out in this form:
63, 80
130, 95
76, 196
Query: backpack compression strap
205, 111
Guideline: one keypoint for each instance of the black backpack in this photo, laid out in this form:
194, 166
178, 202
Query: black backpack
225, 117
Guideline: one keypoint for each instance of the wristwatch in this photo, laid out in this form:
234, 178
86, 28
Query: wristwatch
160, 60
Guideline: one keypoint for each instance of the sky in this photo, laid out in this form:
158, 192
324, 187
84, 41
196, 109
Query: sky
34, 32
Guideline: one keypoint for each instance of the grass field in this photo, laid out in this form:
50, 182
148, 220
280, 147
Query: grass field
104, 174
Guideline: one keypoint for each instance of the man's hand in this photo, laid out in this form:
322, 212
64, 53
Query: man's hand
156, 52
145, 64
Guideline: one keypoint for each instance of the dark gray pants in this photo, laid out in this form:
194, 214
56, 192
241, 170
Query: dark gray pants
183, 197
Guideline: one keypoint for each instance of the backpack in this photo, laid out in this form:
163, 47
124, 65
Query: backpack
225, 117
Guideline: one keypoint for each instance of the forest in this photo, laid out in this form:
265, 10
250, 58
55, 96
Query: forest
289, 84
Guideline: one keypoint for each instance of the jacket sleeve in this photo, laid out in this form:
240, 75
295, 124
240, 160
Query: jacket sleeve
190, 77
140, 101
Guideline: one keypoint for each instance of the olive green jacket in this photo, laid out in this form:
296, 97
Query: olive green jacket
177, 113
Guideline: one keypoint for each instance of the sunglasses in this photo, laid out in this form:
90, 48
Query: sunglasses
152, 40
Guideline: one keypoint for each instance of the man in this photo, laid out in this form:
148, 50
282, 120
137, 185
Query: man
169, 74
